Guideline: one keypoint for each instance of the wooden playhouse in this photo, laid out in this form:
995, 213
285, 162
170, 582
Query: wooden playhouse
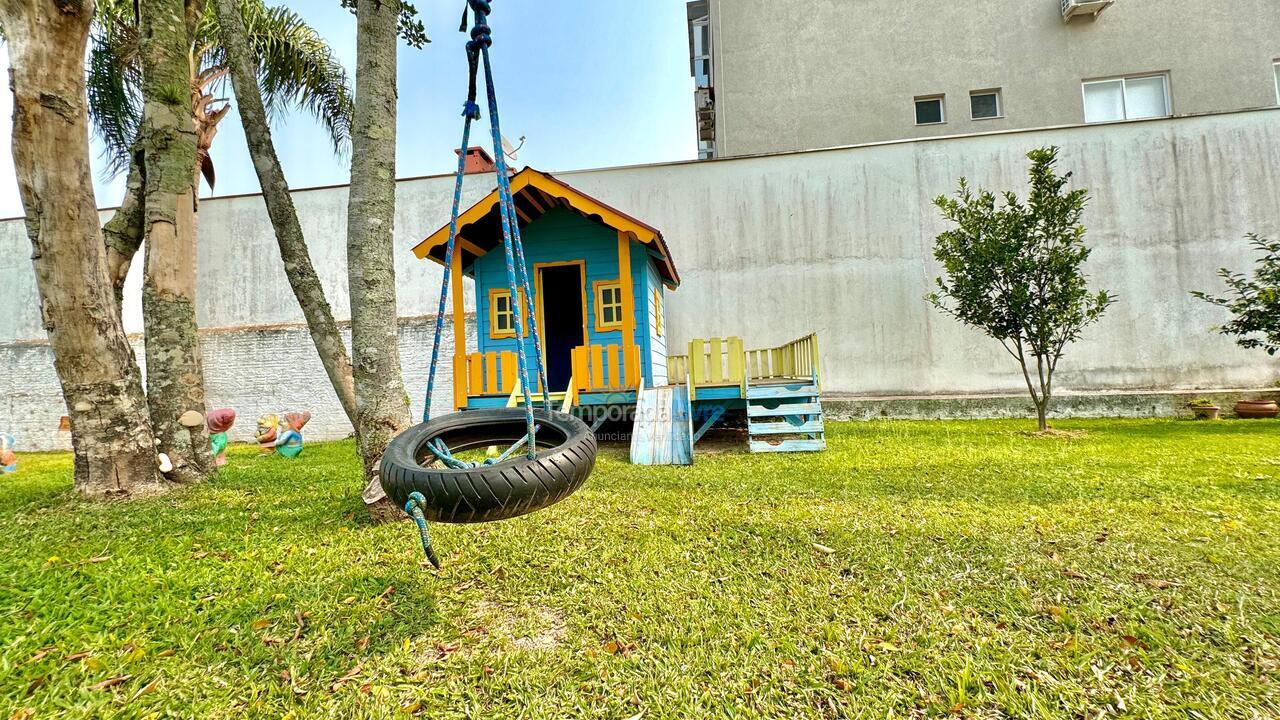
600, 279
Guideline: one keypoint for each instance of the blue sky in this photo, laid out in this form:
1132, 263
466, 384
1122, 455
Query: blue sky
589, 83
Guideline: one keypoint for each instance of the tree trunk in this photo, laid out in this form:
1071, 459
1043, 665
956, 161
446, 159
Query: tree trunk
284, 218
113, 443
371, 272
123, 232
175, 376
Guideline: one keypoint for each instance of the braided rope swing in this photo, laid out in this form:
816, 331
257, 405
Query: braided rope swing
512, 245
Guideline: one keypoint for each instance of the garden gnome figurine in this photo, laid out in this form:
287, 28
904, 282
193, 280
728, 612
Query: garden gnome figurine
282, 433
8, 460
219, 422
268, 425
289, 440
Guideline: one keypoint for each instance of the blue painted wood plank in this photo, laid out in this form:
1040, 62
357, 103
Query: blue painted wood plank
786, 428
661, 434
775, 392
784, 410
760, 446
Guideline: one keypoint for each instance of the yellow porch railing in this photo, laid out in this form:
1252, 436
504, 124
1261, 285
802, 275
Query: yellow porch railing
492, 373
601, 368
722, 362
796, 360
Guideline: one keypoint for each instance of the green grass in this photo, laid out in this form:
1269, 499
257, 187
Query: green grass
915, 569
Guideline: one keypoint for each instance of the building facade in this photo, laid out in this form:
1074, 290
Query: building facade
788, 75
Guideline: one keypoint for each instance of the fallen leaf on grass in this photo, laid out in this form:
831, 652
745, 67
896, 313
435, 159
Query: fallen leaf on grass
146, 689
166, 653
98, 559
1157, 583
41, 654
1074, 575
614, 647
824, 549
1131, 641
363, 643
261, 624
351, 675
77, 656
391, 590
110, 682
842, 685
412, 708
25, 713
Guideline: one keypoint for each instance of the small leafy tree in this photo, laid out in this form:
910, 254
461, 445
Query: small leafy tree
1255, 302
1014, 272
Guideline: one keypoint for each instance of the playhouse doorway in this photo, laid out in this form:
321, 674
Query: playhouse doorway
562, 312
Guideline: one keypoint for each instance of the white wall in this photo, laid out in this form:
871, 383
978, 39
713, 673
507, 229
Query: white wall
772, 248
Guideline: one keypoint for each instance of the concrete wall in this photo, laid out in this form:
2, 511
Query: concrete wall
771, 248
799, 74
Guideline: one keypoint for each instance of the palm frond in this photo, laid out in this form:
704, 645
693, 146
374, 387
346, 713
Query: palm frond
114, 81
296, 67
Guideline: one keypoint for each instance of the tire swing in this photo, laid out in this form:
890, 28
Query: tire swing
549, 454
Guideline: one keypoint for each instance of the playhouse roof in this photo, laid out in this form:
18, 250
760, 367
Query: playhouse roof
535, 193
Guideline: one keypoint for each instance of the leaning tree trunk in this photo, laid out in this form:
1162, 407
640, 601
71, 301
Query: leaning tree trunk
284, 218
175, 376
371, 272
123, 232
113, 443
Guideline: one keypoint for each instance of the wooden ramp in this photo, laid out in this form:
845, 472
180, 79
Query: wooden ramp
785, 418
663, 433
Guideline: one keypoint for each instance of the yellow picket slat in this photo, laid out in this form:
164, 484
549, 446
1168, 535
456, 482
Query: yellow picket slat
509, 371
580, 374
597, 367
491, 374
475, 366
611, 363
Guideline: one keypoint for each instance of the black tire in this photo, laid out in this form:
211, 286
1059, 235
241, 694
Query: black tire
566, 456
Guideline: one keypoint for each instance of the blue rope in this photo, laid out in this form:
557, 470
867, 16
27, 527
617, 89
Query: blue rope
415, 509
481, 38
448, 259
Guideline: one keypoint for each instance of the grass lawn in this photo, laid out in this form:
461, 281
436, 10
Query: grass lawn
915, 569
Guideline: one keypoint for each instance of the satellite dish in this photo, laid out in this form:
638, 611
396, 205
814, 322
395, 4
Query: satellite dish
509, 150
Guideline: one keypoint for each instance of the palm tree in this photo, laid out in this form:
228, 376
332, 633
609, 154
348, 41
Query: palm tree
155, 96
296, 69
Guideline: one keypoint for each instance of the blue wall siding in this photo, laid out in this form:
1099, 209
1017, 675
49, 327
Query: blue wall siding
657, 351
562, 236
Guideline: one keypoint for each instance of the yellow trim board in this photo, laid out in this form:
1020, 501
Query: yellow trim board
530, 177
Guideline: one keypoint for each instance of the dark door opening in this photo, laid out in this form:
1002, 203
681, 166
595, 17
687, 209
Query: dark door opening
563, 321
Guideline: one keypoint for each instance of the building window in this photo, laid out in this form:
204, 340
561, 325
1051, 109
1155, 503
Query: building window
608, 305
502, 318
1127, 98
700, 32
1276, 67
657, 312
985, 104
931, 110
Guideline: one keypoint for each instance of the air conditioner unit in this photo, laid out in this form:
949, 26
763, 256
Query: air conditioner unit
1076, 8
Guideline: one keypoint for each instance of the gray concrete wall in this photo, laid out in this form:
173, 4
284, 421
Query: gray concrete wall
799, 74
771, 248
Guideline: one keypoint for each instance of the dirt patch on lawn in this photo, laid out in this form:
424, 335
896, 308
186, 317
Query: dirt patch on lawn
532, 628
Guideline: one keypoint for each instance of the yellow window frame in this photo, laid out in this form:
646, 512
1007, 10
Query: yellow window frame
657, 312
505, 294
600, 286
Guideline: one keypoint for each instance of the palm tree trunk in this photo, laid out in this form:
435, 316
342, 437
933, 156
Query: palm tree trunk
284, 218
371, 272
175, 376
113, 443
